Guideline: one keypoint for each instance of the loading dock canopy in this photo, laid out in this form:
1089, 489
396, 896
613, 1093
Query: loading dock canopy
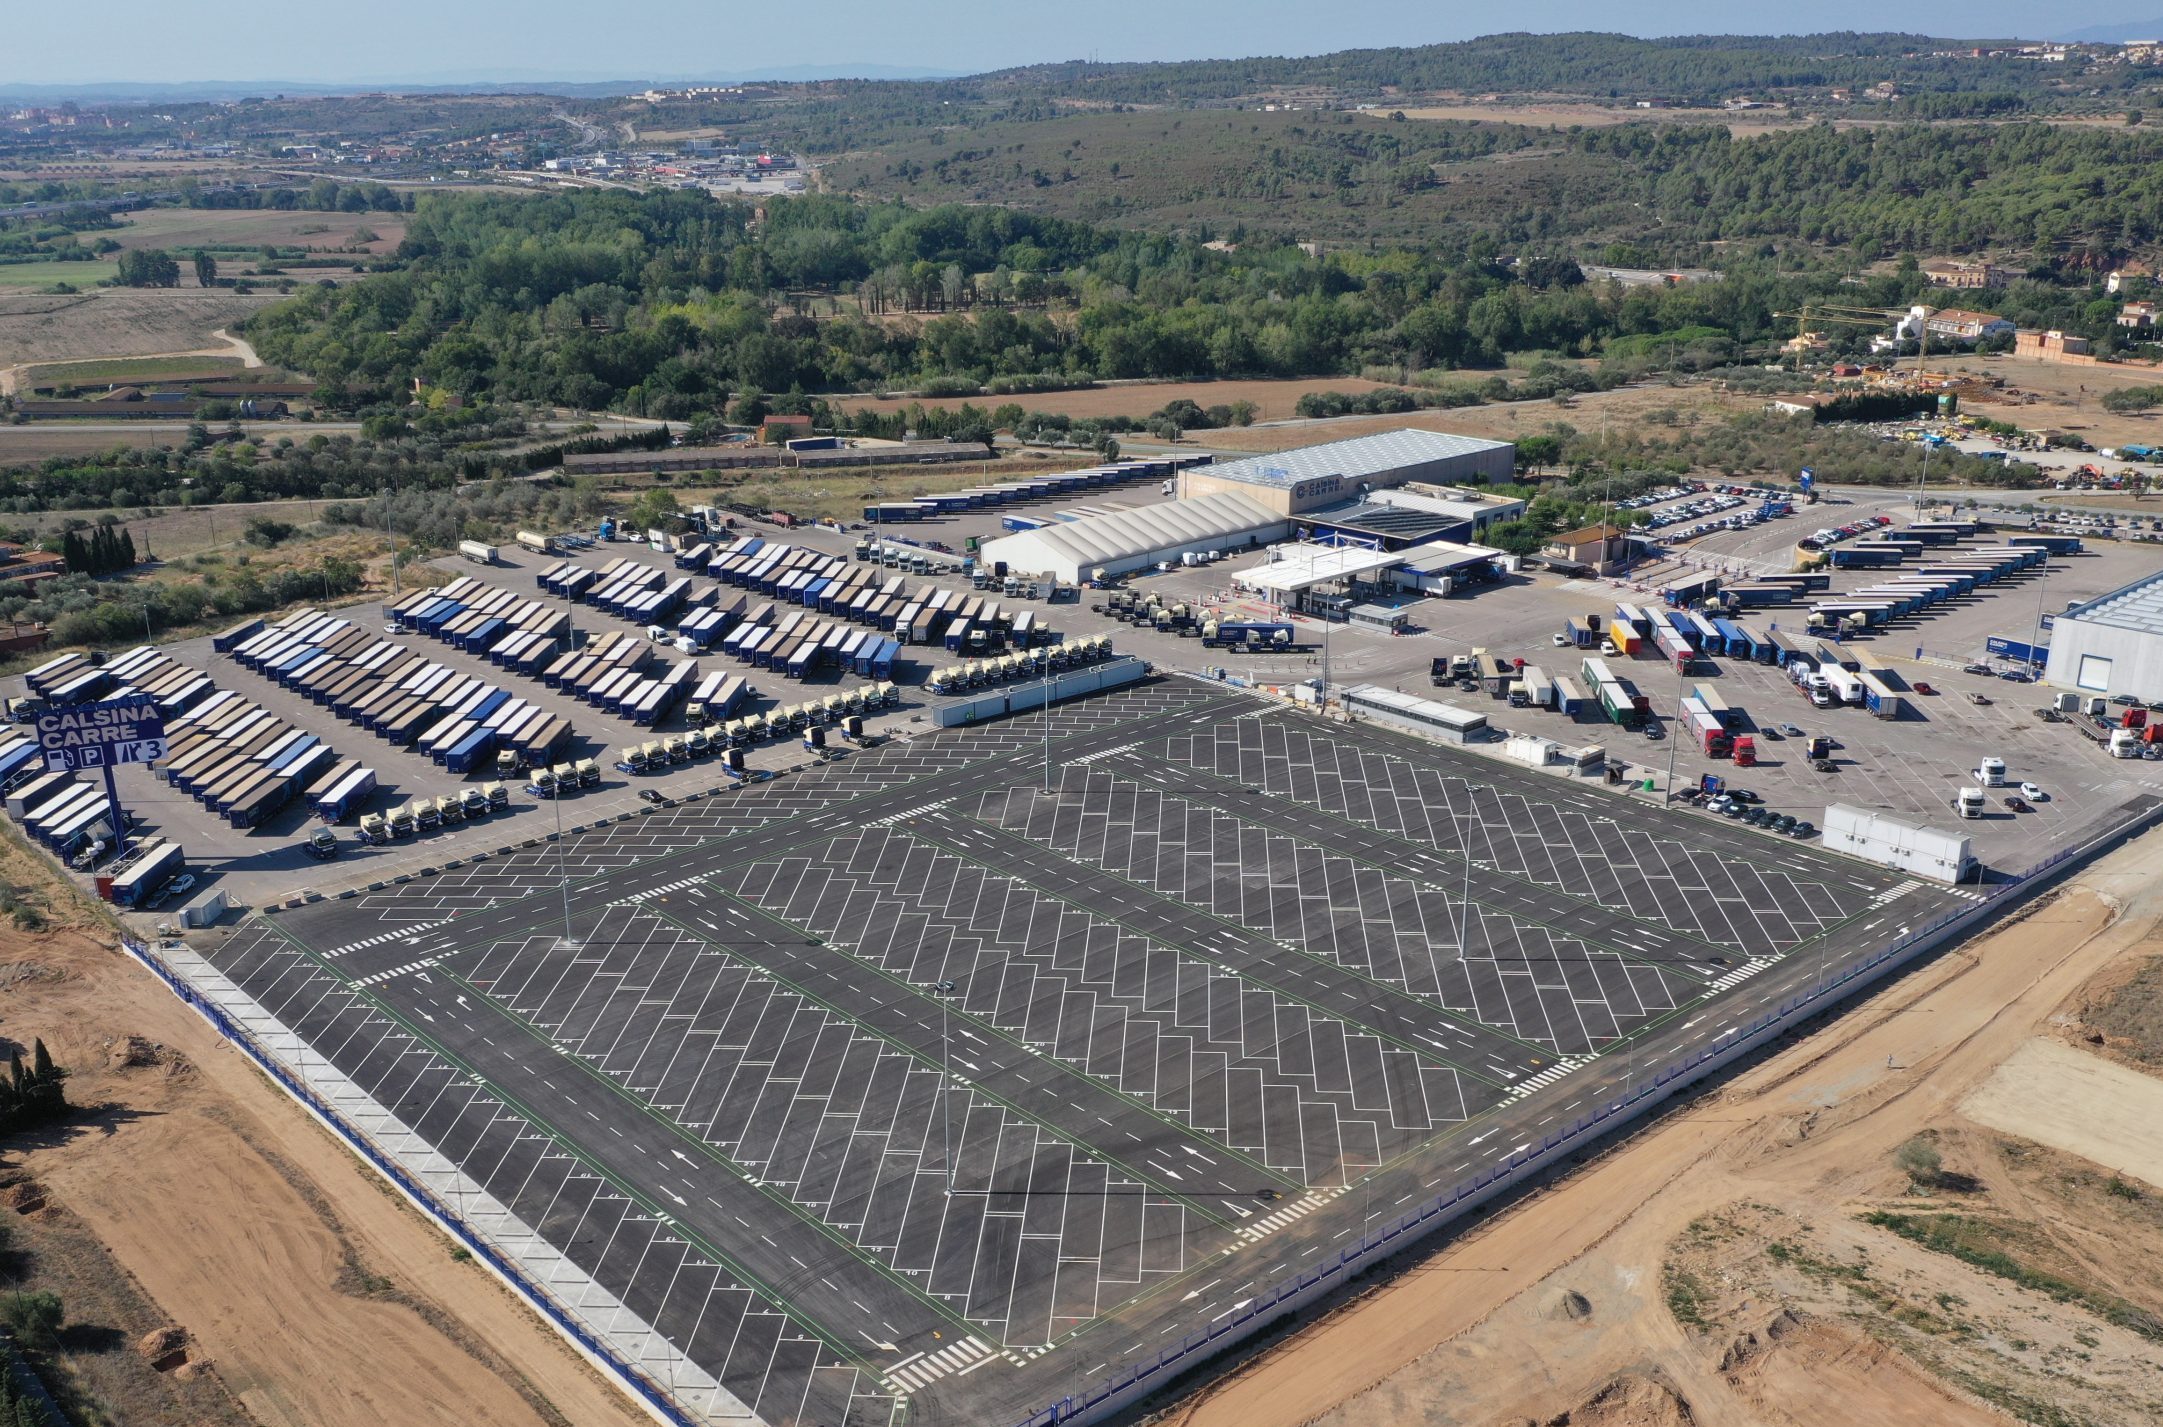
1302, 567
1440, 557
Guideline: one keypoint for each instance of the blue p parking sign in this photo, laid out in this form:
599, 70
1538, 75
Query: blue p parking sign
102, 735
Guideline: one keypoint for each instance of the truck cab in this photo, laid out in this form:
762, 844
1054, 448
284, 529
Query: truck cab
507, 763
543, 784
1991, 772
374, 829
1968, 803
322, 844
588, 771
474, 801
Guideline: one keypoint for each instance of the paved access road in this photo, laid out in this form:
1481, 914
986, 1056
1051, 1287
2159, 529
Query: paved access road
947, 1077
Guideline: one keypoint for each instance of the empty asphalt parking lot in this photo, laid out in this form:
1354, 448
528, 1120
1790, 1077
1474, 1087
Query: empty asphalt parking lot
944, 1078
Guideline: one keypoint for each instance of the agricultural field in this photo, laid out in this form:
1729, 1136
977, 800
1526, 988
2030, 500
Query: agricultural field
117, 322
185, 228
130, 369
40, 275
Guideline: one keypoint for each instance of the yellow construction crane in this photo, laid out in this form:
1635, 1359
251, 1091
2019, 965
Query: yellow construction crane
1855, 317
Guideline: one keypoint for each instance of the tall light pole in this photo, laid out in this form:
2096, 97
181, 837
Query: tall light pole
2042, 582
1668, 794
569, 941
1046, 714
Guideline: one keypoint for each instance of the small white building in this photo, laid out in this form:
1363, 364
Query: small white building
1890, 842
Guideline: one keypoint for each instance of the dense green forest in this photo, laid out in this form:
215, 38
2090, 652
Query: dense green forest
1689, 68
1935, 79
669, 304
1670, 190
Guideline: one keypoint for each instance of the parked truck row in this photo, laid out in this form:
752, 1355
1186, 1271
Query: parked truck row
144, 670
463, 723
752, 730
426, 814
1029, 664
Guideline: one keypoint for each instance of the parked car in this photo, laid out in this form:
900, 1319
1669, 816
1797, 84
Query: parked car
2019, 805
2031, 791
180, 886
1923, 688
1791, 730
650, 795
1802, 829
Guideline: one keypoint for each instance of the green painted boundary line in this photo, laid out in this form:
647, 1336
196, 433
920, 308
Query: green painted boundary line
570, 1148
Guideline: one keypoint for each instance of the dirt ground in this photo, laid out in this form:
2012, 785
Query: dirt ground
1501, 421
319, 1297
1566, 113
119, 322
2064, 398
217, 227
1565, 1308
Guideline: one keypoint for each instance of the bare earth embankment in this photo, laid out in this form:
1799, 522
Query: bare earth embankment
1760, 1257
309, 1294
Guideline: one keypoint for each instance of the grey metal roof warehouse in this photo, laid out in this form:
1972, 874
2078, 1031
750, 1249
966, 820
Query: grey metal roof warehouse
1126, 539
2112, 644
1357, 458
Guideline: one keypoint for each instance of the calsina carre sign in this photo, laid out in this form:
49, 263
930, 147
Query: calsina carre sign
128, 730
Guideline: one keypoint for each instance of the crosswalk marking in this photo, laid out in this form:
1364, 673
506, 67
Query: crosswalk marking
412, 933
890, 819
1100, 753
1298, 1209
422, 965
1545, 1078
921, 1370
1740, 974
663, 890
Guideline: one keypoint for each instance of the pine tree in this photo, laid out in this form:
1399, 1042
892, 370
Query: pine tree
127, 551
46, 1100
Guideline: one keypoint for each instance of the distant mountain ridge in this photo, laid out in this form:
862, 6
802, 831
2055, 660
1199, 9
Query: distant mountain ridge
2115, 34
210, 90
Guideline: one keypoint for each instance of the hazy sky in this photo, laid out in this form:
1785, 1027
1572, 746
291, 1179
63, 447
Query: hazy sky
419, 40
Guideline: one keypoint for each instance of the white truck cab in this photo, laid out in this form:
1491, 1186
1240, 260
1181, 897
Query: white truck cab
1991, 772
1968, 802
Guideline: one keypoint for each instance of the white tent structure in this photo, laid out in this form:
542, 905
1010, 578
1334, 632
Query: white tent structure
1073, 550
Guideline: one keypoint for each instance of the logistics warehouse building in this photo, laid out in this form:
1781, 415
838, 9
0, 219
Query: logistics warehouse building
1127, 540
2112, 644
1295, 482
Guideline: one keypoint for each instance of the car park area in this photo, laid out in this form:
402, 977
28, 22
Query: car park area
932, 1076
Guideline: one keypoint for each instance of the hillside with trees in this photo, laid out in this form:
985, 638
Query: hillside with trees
673, 305
1669, 191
